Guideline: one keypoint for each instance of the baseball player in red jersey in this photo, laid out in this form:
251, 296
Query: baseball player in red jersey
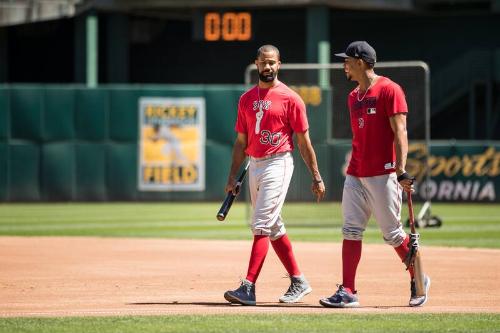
269, 115
376, 173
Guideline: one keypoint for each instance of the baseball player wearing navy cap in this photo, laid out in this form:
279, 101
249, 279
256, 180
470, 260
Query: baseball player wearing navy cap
269, 115
376, 173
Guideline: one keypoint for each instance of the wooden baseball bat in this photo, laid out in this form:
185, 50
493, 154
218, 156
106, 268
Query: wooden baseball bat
228, 201
417, 265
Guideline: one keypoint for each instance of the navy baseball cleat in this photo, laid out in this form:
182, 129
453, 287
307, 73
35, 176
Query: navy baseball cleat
299, 287
341, 299
244, 295
419, 300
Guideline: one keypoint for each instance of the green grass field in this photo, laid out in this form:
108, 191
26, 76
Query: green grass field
467, 225
261, 323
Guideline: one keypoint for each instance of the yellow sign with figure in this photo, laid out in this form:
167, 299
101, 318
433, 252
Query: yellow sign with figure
171, 144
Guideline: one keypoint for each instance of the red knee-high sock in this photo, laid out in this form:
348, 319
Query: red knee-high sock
259, 251
402, 250
351, 254
283, 248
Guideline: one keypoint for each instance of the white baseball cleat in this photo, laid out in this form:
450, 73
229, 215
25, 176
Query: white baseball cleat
299, 287
419, 300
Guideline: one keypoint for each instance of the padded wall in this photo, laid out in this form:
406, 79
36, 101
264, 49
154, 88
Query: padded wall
71, 143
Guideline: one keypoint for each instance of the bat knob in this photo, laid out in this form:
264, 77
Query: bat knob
220, 217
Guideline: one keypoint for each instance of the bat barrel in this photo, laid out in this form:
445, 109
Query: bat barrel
226, 205
419, 275
417, 265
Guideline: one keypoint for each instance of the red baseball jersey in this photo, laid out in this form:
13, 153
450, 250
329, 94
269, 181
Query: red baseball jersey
373, 151
269, 117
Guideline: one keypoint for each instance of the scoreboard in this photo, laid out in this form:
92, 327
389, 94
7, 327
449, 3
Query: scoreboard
227, 26
223, 25
212, 45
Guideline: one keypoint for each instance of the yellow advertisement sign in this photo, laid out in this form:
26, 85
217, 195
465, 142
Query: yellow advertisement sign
171, 144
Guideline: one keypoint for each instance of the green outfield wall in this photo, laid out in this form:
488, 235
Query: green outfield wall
71, 143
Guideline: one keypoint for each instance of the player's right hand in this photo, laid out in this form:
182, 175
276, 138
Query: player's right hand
318, 189
406, 181
231, 186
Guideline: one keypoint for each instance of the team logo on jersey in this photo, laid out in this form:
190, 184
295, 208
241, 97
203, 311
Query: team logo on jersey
261, 105
371, 110
361, 122
368, 102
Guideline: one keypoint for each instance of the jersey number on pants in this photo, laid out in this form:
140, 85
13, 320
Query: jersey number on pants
268, 138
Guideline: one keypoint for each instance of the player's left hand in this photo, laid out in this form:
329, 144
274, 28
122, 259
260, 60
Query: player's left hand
318, 189
406, 181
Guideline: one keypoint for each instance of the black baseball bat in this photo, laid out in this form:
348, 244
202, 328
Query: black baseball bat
228, 202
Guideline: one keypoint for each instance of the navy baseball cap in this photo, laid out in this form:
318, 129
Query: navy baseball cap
360, 50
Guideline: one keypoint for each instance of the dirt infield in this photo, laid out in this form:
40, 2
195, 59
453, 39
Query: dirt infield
77, 276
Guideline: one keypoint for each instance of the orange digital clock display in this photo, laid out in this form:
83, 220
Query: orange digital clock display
228, 26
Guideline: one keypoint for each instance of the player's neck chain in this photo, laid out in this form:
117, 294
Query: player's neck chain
259, 102
260, 114
372, 81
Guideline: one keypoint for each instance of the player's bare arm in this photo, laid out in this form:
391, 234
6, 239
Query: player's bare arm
398, 125
239, 155
309, 156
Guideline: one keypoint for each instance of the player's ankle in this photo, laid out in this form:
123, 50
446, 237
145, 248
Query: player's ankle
349, 290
